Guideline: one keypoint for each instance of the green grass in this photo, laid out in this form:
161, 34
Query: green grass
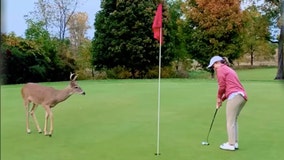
257, 74
117, 120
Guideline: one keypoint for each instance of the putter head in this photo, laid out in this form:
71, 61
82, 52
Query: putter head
205, 143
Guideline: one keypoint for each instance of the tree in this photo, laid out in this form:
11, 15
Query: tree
23, 60
275, 10
33, 59
84, 59
175, 29
55, 67
37, 33
255, 35
280, 72
78, 26
124, 37
55, 14
213, 28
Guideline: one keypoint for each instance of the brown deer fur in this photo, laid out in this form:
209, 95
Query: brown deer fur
48, 97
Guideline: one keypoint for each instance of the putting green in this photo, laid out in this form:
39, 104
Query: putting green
117, 120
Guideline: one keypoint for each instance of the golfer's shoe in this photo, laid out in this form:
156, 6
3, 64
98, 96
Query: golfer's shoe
236, 146
227, 146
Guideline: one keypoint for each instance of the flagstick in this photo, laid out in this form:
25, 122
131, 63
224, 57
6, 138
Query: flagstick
159, 96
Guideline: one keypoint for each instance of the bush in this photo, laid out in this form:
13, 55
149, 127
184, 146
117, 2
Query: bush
27, 61
166, 72
84, 73
100, 75
182, 74
118, 73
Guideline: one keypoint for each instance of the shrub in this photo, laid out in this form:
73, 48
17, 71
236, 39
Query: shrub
100, 75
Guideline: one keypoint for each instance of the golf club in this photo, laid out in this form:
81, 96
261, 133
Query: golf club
207, 142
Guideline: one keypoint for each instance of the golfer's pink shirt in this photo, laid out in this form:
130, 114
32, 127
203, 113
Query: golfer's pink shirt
228, 82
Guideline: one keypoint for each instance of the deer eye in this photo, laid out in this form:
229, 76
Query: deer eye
76, 87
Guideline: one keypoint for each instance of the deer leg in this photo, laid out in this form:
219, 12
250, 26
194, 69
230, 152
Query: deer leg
26, 104
51, 123
45, 123
48, 115
34, 117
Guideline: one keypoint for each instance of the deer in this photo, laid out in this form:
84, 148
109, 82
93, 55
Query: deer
47, 97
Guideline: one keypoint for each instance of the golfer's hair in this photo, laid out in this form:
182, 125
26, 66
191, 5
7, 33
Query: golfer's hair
225, 61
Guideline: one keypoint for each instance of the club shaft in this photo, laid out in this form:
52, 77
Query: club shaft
212, 123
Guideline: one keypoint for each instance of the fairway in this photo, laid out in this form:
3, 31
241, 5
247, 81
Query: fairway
117, 120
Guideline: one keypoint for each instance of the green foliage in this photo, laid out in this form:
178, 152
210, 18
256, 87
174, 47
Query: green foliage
175, 31
36, 31
83, 60
22, 59
25, 60
274, 10
255, 35
124, 37
212, 28
118, 73
123, 45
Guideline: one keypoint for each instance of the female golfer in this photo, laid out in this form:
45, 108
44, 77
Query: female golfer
230, 89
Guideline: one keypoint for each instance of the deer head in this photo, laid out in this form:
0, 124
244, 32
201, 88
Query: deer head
74, 86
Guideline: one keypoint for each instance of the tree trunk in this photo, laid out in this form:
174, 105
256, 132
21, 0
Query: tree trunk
251, 56
280, 73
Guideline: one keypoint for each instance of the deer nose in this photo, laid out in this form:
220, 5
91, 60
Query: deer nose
83, 93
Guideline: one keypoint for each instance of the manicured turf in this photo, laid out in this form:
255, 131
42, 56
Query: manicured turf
117, 120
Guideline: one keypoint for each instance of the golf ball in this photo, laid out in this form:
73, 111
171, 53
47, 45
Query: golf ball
205, 143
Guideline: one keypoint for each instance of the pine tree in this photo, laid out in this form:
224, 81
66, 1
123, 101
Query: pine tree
124, 38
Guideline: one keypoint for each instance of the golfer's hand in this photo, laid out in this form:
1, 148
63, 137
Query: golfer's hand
218, 103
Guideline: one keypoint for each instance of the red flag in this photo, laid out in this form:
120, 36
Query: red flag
157, 23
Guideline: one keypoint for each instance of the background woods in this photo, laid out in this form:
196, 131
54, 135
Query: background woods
123, 46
